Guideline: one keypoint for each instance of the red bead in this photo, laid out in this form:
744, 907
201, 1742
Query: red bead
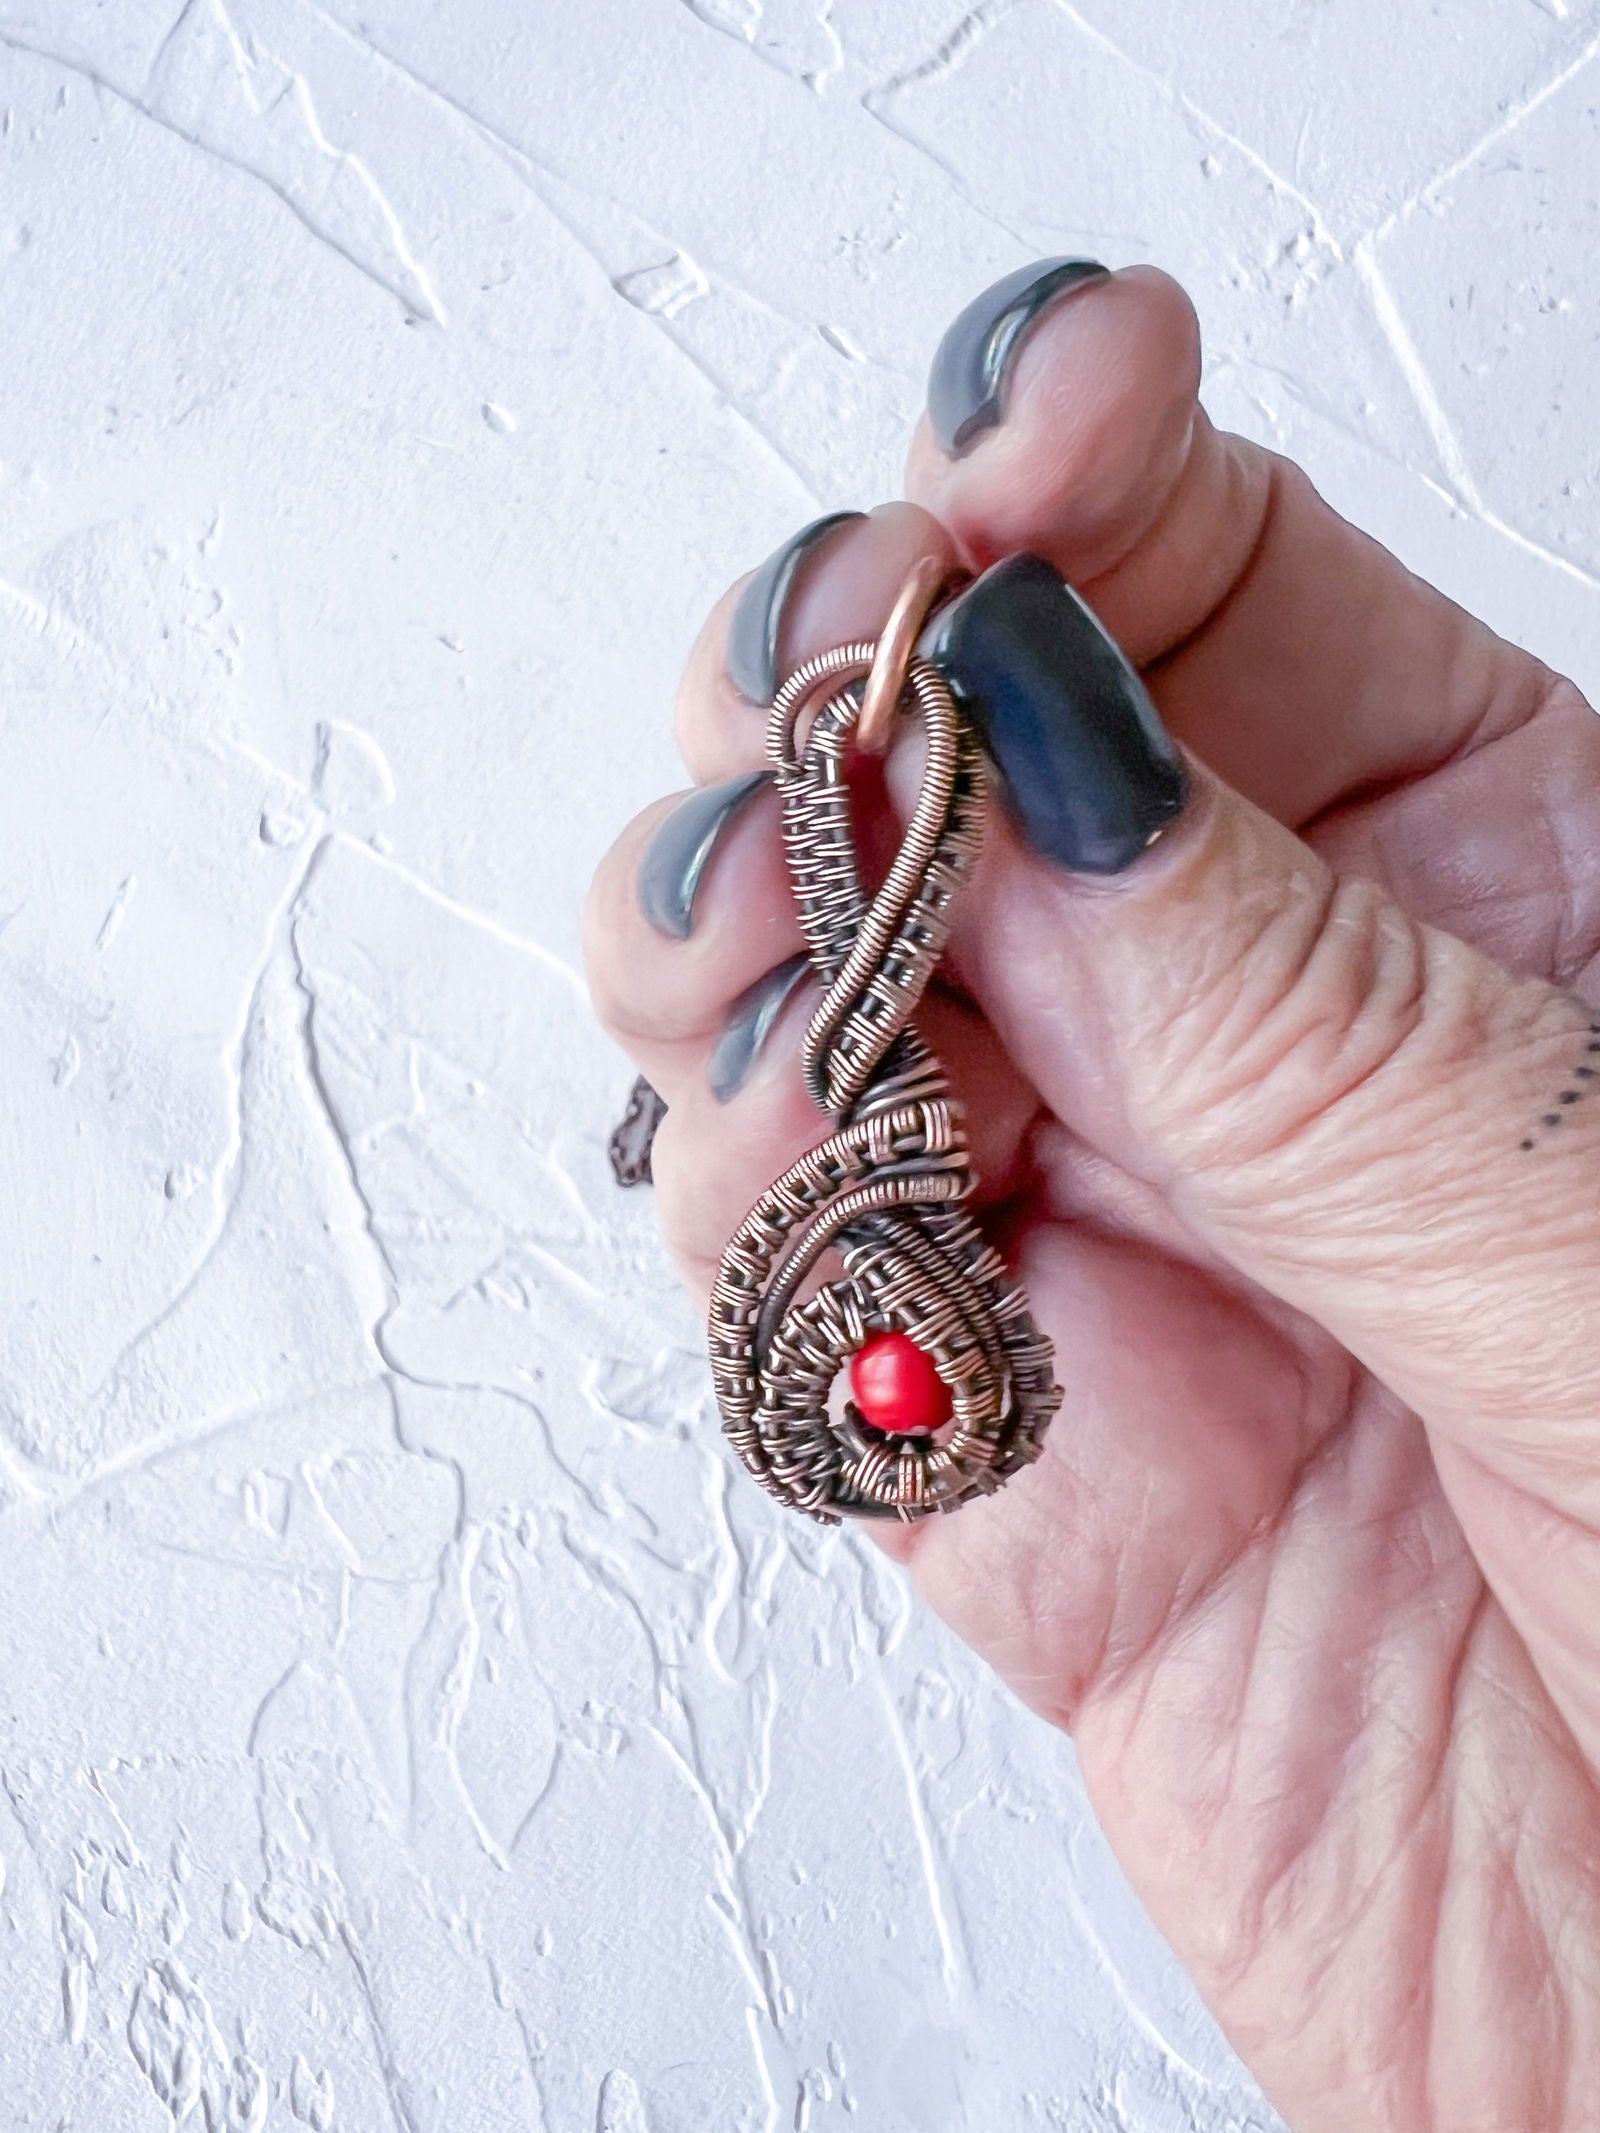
897, 1387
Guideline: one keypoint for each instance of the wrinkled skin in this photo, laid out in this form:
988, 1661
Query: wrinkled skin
1310, 1566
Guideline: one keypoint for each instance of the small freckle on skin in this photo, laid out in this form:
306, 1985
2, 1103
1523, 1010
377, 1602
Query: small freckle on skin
1527, 1144
1570, 1096
1551, 1118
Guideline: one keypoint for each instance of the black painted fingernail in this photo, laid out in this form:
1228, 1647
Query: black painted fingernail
1089, 772
967, 382
749, 1019
675, 859
752, 654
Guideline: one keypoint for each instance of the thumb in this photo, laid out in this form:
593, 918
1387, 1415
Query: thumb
1361, 1113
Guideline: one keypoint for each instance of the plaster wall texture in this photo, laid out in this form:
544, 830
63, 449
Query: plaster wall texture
409, 1719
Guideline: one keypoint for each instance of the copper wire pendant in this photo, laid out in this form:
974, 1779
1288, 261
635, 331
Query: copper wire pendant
884, 1189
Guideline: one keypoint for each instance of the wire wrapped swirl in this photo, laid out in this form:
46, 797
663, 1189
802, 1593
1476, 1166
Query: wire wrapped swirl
883, 1190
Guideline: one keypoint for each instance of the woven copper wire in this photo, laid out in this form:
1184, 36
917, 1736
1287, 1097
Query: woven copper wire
883, 1190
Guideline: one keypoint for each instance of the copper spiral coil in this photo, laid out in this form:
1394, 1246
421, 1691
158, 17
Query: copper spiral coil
883, 1190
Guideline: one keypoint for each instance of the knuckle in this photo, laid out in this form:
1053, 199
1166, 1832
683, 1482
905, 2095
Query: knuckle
1352, 1103
1319, 1032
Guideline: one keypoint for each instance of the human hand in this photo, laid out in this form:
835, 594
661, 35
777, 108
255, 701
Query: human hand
1292, 1129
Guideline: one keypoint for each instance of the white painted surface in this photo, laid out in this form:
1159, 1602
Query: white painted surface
409, 1721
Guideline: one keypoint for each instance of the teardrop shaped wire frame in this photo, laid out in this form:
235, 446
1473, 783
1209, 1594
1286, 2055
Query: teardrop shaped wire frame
884, 1189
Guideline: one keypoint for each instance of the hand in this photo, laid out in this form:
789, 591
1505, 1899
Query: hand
1292, 1128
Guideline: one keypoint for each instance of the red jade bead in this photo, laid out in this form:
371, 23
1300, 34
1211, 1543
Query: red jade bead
896, 1387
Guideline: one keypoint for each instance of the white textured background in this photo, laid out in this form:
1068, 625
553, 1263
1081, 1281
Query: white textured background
407, 1718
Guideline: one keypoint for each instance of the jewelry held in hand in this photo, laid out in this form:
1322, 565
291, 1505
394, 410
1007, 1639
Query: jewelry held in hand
951, 1382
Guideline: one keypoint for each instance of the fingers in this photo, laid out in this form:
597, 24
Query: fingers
1294, 654
694, 961
706, 871
690, 908
1361, 1113
814, 592
1254, 1037
1093, 458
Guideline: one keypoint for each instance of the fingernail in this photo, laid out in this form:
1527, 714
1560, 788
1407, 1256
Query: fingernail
752, 654
676, 857
1088, 770
967, 383
749, 1020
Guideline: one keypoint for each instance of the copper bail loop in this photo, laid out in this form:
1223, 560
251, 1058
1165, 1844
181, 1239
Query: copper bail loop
928, 577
